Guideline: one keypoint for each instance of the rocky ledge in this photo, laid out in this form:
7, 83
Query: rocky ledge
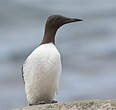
77, 105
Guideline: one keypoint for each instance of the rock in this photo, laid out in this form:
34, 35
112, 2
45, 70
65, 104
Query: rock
78, 105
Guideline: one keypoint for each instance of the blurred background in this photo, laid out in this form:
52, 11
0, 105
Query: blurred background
88, 48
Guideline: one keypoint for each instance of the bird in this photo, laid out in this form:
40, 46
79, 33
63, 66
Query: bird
42, 68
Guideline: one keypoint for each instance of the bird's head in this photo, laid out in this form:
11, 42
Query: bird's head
56, 21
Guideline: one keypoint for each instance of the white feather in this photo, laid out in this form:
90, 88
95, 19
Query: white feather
41, 74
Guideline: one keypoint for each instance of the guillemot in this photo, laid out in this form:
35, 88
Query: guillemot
42, 68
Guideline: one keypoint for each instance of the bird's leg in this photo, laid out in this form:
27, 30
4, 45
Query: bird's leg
44, 102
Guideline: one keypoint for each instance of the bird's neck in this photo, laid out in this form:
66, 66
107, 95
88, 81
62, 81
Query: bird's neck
49, 36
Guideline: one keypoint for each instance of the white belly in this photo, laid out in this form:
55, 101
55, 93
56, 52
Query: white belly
41, 73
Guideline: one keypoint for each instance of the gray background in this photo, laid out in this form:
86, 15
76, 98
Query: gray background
88, 48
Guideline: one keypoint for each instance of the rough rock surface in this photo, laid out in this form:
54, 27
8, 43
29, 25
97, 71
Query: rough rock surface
78, 105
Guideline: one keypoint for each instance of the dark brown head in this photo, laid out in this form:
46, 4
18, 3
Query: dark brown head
53, 23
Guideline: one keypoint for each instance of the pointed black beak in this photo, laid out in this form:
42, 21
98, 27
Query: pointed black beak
75, 20
69, 20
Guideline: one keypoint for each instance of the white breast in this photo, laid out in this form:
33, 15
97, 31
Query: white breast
41, 72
